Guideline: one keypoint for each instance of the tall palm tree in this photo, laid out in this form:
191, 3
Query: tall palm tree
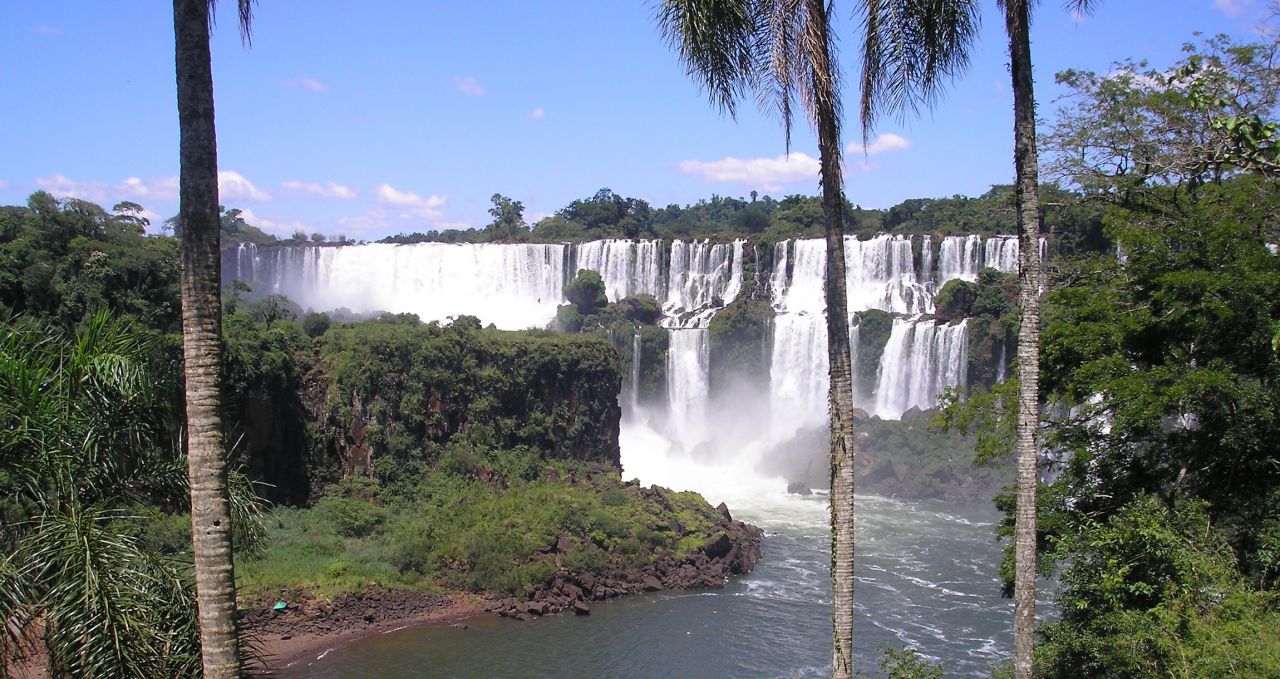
202, 335
783, 51
904, 18
1027, 196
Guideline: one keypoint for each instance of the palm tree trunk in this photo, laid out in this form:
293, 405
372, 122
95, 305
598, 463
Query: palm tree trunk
840, 390
1028, 203
202, 342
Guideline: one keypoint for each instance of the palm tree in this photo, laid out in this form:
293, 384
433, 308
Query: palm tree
202, 335
1027, 197
908, 62
783, 51
81, 431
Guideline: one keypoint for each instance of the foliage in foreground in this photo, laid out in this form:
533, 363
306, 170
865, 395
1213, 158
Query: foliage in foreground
1151, 592
83, 453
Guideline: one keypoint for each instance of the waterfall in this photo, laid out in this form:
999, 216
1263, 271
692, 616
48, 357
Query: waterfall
511, 286
920, 360
688, 361
880, 274
1001, 253
520, 285
635, 372
926, 259
627, 267
701, 278
1002, 367
959, 258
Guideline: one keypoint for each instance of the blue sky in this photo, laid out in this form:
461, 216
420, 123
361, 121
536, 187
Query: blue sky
374, 118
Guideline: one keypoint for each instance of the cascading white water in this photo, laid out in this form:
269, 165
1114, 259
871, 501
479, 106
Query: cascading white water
701, 277
798, 365
958, 258
520, 285
688, 364
627, 267
1001, 253
1002, 367
880, 274
635, 372
511, 286
920, 360
926, 259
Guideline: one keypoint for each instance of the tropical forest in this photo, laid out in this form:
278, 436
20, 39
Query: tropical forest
903, 339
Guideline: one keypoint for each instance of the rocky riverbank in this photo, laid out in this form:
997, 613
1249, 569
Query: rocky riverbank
308, 627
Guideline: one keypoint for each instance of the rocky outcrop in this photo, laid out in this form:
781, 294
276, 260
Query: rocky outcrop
734, 550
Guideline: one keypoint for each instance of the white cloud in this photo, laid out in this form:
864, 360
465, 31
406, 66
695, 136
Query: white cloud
164, 188
133, 188
326, 190
883, 143
47, 30
61, 186
304, 83
413, 204
537, 113
389, 194
468, 85
768, 174
4, 184
232, 186
373, 220
279, 228
1231, 7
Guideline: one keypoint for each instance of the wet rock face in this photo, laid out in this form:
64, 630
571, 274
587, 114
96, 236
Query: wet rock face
734, 551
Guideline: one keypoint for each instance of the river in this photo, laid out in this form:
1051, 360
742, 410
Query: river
926, 578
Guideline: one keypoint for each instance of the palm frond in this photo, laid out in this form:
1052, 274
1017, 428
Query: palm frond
245, 11
715, 39
911, 50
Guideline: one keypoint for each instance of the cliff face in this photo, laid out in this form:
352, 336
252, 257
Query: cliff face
396, 393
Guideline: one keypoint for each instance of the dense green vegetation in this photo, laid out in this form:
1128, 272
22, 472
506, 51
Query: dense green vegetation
483, 520
1160, 370
386, 396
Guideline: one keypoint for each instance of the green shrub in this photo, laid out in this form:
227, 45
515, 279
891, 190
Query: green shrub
350, 516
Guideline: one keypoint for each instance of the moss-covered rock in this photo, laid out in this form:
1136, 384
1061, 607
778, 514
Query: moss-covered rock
874, 327
393, 392
654, 342
993, 328
739, 337
955, 300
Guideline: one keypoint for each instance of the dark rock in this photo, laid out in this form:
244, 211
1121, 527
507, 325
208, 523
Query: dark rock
564, 545
651, 584
724, 511
581, 608
587, 580
799, 488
